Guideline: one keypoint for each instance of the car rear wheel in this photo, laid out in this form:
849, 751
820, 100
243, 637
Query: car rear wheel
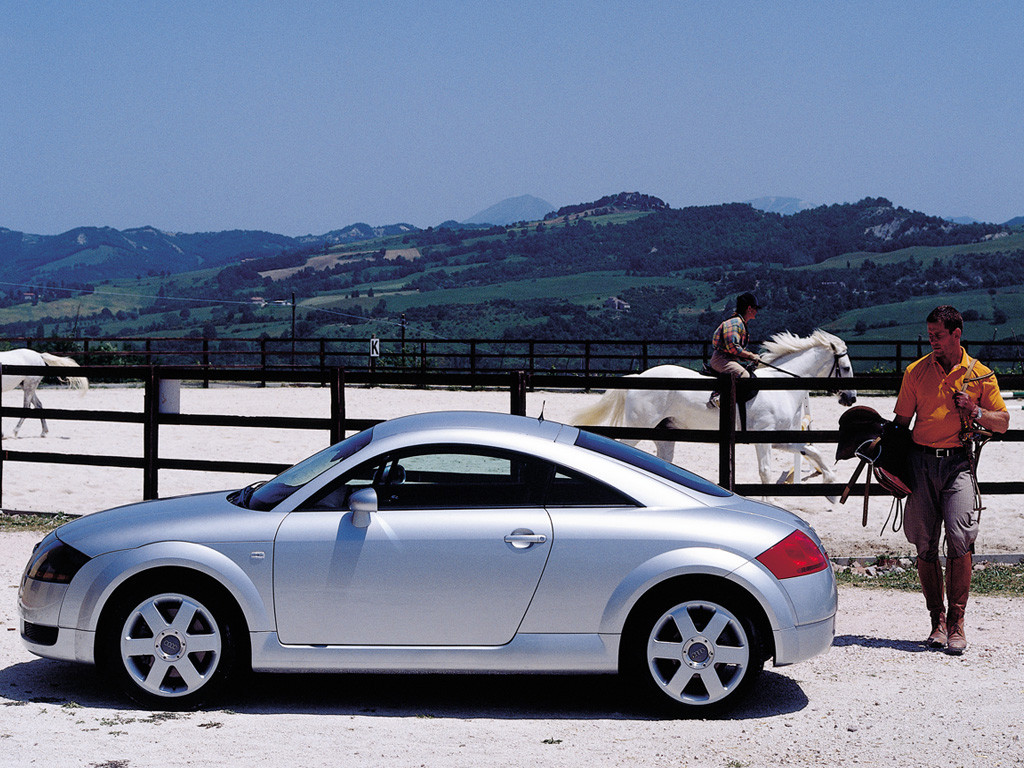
168, 649
693, 656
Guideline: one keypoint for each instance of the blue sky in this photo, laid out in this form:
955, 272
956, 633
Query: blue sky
302, 117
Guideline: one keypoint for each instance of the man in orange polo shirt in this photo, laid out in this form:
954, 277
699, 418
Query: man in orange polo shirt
947, 396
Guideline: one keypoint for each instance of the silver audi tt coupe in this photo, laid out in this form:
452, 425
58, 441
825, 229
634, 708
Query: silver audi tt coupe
442, 542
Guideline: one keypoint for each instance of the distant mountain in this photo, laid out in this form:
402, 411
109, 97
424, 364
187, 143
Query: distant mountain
784, 205
1017, 221
96, 253
91, 254
522, 208
357, 232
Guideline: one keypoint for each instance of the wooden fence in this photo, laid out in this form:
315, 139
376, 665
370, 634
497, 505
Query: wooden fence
424, 356
516, 383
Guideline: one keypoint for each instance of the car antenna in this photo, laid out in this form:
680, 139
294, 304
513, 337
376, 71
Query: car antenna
542, 405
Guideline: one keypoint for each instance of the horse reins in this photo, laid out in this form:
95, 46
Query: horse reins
973, 438
832, 373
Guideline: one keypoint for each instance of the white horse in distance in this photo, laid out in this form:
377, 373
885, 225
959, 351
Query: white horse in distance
30, 383
819, 355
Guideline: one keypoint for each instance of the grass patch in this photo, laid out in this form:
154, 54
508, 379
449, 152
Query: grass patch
998, 579
26, 522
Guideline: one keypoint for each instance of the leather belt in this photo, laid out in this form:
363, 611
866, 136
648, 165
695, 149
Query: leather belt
941, 453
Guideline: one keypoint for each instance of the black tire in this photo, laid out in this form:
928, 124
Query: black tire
691, 656
163, 658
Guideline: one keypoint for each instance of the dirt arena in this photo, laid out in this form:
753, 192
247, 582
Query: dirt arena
877, 697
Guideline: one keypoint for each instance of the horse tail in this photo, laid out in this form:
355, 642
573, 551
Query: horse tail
75, 382
610, 408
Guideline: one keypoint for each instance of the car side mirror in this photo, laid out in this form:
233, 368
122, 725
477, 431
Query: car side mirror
361, 504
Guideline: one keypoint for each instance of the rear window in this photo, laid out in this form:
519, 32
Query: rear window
648, 462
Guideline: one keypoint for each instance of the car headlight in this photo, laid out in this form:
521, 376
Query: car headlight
56, 562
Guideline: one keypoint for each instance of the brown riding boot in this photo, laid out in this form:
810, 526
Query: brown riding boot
958, 585
930, 575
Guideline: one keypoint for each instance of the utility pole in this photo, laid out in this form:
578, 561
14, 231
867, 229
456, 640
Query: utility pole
293, 329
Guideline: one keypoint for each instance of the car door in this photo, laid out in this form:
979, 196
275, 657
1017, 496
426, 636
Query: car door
452, 556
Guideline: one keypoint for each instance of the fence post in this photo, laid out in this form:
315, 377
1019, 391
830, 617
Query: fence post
517, 391
338, 415
150, 435
727, 432
206, 362
263, 360
3, 453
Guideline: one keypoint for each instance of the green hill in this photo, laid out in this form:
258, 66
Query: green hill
868, 269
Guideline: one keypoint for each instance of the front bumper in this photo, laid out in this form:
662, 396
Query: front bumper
60, 643
39, 604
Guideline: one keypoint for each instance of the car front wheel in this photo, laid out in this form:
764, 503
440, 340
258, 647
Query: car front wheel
696, 655
168, 650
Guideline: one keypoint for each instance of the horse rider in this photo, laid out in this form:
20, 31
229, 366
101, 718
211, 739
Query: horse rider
730, 339
948, 396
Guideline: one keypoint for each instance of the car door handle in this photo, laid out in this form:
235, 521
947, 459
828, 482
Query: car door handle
524, 539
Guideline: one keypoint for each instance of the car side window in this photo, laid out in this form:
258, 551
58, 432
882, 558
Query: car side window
442, 477
573, 489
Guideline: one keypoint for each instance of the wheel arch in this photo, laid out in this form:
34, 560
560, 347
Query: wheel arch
177, 578
705, 586
702, 571
104, 576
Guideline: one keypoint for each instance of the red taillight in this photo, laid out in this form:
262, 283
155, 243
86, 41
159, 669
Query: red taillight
795, 555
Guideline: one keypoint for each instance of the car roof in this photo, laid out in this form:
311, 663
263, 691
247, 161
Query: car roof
477, 420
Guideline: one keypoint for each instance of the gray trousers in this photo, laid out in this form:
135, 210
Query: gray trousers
725, 364
943, 494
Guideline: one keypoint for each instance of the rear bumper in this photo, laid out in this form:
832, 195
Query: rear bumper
793, 644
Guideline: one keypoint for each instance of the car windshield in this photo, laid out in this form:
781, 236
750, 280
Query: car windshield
271, 493
646, 461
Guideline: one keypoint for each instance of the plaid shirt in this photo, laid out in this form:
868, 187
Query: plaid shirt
731, 336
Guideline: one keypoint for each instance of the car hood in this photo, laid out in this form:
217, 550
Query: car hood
200, 518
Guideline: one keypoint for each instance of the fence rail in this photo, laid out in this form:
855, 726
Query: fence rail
411, 355
516, 383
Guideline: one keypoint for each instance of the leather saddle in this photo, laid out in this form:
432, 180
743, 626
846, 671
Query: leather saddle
880, 443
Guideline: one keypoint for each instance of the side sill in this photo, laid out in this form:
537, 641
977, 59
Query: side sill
536, 653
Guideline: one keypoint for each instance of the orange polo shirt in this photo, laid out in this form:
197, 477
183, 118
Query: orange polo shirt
928, 391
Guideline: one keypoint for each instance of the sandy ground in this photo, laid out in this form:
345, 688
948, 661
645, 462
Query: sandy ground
78, 490
877, 697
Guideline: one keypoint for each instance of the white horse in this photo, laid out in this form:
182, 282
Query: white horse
30, 383
819, 355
